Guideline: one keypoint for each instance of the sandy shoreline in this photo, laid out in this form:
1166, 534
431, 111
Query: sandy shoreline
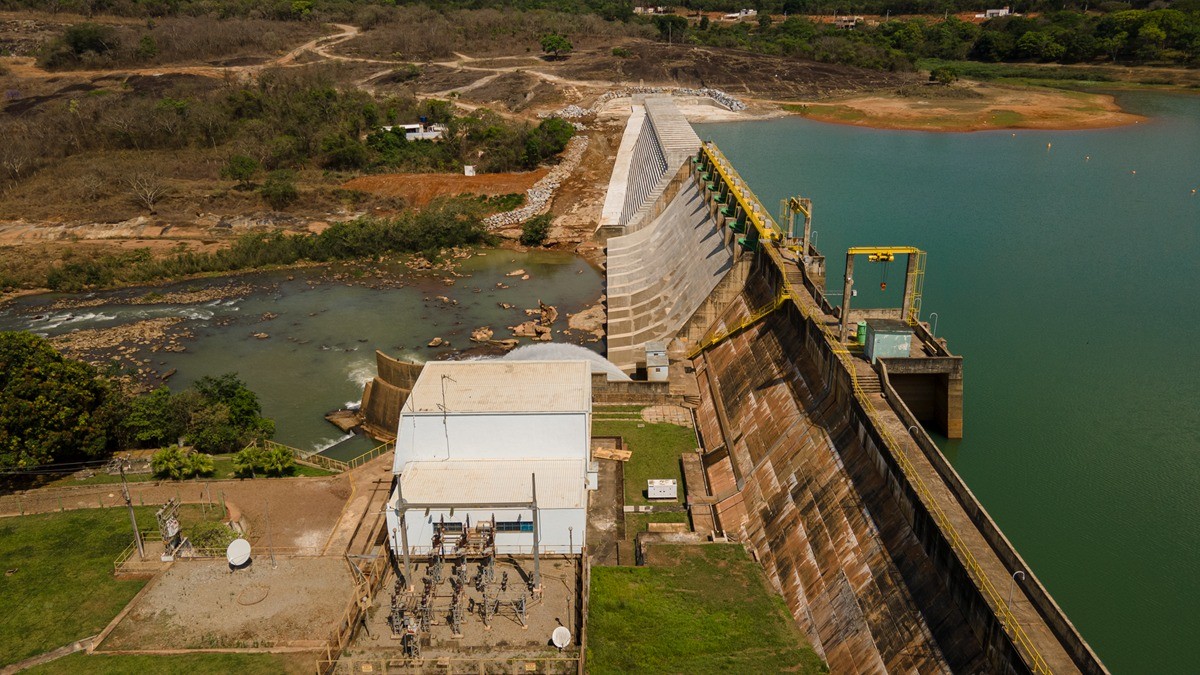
969, 106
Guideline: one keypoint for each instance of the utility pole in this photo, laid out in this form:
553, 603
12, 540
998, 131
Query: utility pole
137, 537
270, 541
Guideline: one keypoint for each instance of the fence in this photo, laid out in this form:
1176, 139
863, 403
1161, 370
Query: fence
364, 590
446, 665
128, 562
317, 460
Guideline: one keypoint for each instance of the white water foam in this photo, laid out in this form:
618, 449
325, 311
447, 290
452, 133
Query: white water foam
559, 351
70, 318
323, 445
193, 313
361, 372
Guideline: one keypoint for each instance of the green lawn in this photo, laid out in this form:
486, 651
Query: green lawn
183, 664
697, 609
63, 588
656, 450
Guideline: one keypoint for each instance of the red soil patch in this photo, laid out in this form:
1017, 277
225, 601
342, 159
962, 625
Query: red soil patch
418, 189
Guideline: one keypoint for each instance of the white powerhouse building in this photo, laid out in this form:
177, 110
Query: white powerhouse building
475, 437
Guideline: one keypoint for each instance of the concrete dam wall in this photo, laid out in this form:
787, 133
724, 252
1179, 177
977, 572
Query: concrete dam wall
670, 254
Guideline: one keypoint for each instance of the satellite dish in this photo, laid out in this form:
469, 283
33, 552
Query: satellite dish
561, 637
238, 552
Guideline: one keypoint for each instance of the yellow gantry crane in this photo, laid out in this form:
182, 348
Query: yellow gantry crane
788, 208
914, 279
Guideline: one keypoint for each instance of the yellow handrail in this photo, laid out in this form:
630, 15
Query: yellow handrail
754, 209
756, 316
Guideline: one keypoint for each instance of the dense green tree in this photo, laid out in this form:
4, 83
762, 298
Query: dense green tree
671, 27
547, 140
159, 417
230, 416
556, 45
52, 409
241, 168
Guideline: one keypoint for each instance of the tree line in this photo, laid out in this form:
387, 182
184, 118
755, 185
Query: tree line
443, 224
1164, 36
54, 410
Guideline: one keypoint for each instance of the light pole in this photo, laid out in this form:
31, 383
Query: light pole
1011, 584
933, 316
911, 428
137, 536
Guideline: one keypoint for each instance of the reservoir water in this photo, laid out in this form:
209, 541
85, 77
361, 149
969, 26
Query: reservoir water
1065, 267
323, 335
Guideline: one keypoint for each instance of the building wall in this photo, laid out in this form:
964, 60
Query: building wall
425, 437
561, 530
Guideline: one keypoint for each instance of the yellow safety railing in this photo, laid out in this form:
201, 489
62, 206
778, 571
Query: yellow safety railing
371, 454
755, 316
755, 212
328, 463
770, 232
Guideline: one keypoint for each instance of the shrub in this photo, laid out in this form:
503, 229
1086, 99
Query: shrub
240, 168
279, 189
211, 535
535, 230
177, 464
620, 52
943, 75
254, 460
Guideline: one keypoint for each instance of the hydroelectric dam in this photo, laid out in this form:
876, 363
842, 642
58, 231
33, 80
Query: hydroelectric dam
812, 419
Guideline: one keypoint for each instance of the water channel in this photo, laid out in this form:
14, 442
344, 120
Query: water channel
1063, 266
321, 342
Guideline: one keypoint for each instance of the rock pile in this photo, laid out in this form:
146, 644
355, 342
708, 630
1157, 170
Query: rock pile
537, 198
575, 112
540, 328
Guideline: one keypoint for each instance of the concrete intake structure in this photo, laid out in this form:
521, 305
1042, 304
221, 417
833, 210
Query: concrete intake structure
672, 255
817, 461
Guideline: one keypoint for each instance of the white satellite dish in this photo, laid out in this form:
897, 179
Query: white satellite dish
238, 552
561, 637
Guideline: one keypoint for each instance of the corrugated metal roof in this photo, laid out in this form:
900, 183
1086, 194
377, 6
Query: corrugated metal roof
561, 484
502, 386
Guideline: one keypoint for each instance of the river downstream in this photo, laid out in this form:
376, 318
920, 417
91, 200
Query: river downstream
323, 325
1062, 266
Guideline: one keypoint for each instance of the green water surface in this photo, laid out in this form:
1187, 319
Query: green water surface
322, 333
1071, 285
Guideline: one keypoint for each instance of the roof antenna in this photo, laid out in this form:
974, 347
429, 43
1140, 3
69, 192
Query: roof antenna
442, 406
